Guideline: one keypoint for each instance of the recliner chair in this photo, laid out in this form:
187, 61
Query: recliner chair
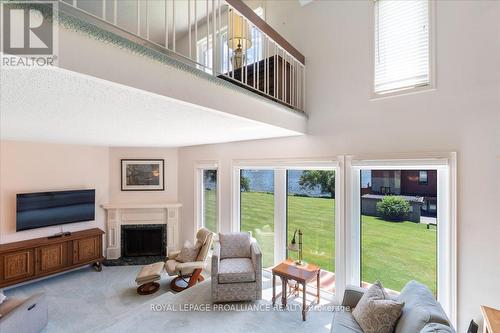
187, 273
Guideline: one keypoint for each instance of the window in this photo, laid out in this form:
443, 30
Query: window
207, 197
257, 209
204, 54
311, 209
415, 245
335, 206
274, 200
422, 177
396, 244
402, 45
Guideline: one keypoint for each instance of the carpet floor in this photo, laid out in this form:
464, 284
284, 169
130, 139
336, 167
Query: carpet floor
88, 301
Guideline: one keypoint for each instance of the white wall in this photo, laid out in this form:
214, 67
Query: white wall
116, 195
462, 115
37, 167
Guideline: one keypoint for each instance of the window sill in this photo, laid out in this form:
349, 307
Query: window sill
402, 92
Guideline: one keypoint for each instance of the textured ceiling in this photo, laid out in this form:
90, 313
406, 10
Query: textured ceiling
55, 105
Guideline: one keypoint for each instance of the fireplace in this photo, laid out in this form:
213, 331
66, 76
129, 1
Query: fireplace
143, 240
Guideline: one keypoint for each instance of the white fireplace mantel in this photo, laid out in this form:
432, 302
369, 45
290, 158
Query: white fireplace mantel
119, 214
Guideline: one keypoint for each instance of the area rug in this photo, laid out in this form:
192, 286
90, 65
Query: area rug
89, 301
192, 311
82, 300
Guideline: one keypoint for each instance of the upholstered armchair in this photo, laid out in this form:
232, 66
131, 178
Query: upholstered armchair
187, 274
236, 268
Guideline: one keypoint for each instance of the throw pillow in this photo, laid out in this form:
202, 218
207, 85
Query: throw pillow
376, 312
188, 253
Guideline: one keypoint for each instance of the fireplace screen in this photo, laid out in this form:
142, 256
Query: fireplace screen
143, 240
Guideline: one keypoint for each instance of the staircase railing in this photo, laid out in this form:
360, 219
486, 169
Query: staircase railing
224, 38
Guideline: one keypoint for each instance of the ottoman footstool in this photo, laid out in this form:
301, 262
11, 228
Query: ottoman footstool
147, 277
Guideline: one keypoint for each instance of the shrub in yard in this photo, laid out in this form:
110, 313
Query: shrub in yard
393, 208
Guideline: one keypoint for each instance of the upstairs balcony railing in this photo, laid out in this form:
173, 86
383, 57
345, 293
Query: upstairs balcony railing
224, 38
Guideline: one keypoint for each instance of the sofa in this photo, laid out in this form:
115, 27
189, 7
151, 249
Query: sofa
29, 315
236, 271
421, 312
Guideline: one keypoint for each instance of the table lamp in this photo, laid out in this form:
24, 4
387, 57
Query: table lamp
297, 248
240, 38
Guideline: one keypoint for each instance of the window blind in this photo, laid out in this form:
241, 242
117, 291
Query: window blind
401, 44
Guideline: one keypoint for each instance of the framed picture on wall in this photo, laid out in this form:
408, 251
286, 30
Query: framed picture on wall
143, 175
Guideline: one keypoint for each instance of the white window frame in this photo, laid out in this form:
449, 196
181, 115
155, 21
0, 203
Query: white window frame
447, 227
432, 59
198, 193
280, 204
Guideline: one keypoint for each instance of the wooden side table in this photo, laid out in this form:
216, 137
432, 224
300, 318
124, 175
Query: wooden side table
491, 319
288, 270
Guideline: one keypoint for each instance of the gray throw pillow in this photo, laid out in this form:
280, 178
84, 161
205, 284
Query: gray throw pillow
376, 312
188, 253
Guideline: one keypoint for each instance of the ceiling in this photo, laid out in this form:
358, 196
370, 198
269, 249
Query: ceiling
56, 105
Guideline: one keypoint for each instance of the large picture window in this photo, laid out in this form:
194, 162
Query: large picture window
273, 202
311, 209
346, 215
397, 244
399, 229
257, 209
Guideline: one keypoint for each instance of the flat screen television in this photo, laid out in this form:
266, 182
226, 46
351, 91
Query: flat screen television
43, 209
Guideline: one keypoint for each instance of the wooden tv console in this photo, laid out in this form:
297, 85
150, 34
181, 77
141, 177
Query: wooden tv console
35, 258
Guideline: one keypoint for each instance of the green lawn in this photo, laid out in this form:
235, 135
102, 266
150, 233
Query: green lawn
210, 209
396, 253
392, 252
